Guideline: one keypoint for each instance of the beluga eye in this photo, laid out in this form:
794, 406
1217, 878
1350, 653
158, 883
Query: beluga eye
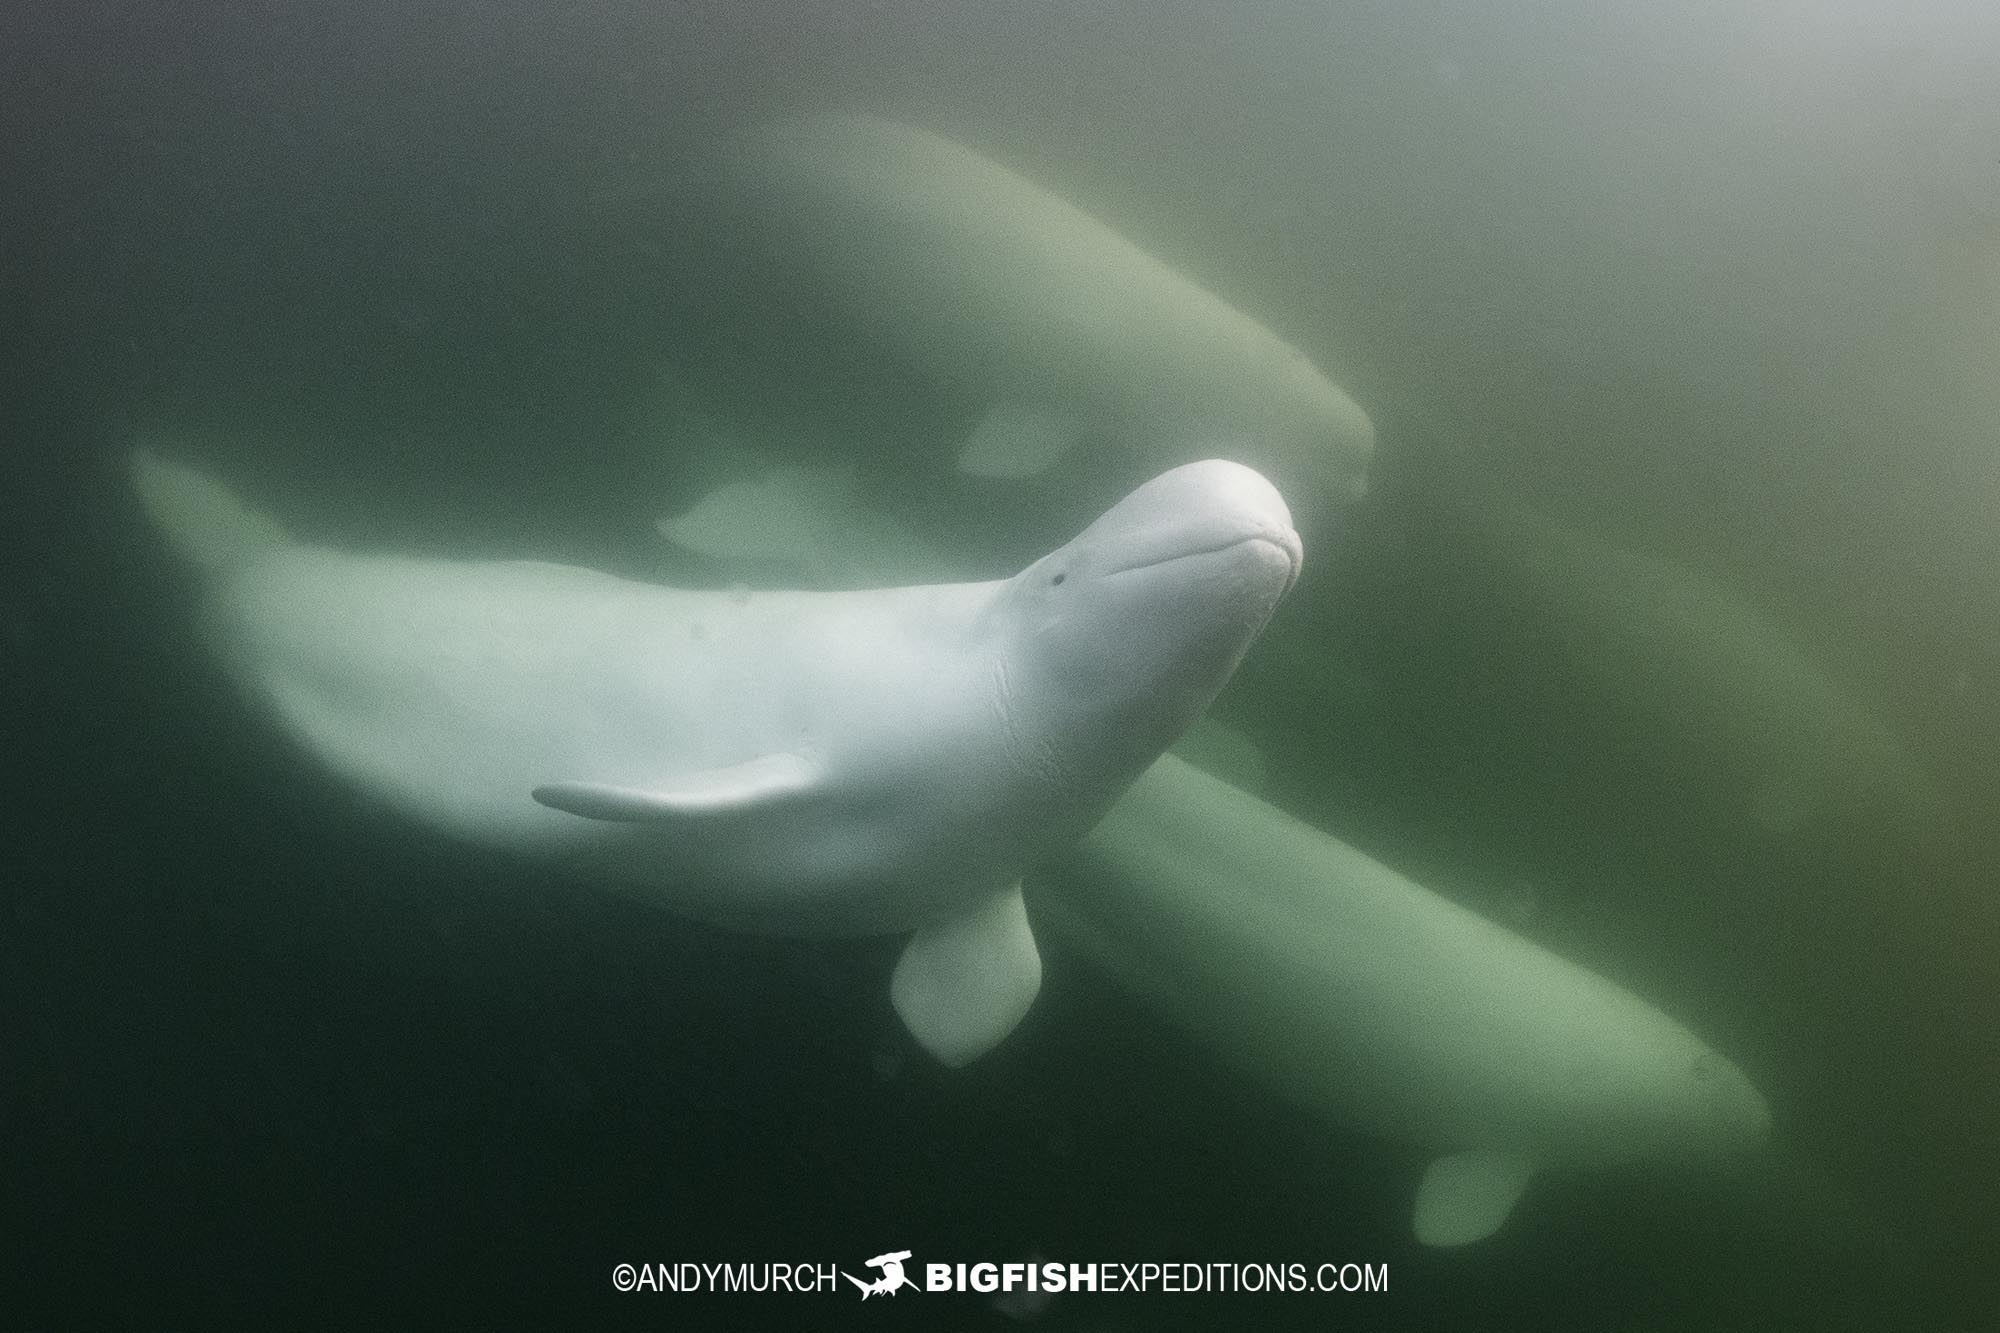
1056, 579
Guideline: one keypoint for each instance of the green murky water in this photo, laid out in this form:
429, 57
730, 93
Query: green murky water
1667, 639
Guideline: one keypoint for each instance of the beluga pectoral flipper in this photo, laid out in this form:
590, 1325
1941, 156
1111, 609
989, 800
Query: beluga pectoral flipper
738, 789
803, 762
964, 982
1015, 441
1465, 1196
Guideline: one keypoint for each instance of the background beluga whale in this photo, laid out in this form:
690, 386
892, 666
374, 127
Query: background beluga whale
819, 762
1704, 694
1065, 328
1382, 1005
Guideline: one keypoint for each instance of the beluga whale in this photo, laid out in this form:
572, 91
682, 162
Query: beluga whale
1361, 996
1383, 1006
1061, 328
819, 762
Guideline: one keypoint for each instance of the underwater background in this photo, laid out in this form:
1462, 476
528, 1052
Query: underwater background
1713, 288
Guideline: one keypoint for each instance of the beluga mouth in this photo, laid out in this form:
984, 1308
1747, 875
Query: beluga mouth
1199, 509
1285, 543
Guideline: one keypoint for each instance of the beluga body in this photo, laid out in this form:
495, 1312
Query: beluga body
1383, 1006
798, 762
1062, 329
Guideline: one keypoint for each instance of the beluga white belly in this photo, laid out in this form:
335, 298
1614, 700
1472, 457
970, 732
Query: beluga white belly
822, 762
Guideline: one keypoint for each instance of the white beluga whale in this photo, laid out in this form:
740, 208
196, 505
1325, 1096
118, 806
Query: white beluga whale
820, 762
1064, 328
1365, 997
1382, 1005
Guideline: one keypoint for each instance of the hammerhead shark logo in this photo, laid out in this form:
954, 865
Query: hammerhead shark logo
892, 1277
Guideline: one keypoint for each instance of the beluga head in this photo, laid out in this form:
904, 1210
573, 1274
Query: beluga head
1705, 1107
1644, 1088
1119, 639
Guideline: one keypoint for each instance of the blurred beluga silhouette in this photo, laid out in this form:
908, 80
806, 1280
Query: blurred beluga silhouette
1067, 329
1382, 1006
1702, 687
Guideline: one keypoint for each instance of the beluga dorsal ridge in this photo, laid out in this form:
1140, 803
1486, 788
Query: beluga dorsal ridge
804, 762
